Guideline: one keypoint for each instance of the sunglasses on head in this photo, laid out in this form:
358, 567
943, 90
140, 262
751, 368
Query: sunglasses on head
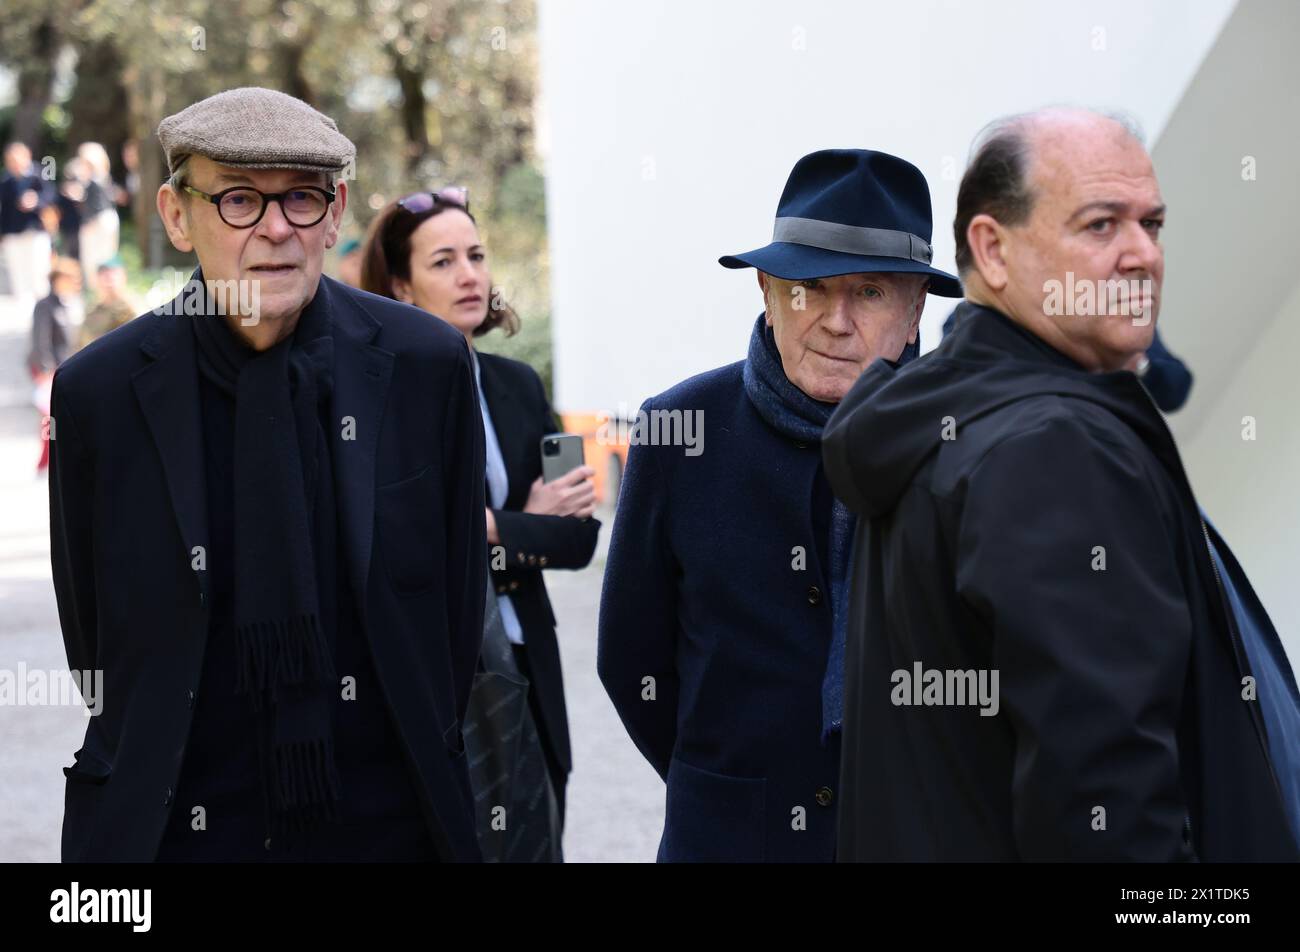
420, 202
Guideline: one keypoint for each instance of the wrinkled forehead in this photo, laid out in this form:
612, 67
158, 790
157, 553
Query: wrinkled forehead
1079, 164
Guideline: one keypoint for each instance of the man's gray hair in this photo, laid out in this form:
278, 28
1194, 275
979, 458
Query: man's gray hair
996, 178
177, 179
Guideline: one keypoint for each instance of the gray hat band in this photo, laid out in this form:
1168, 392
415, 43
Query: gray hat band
853, 239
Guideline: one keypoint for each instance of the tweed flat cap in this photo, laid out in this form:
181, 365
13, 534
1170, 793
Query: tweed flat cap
255, 128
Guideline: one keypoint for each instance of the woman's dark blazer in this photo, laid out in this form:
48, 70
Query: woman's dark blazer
521, 416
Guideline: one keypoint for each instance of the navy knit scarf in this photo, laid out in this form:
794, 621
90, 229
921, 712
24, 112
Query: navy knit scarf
793, 413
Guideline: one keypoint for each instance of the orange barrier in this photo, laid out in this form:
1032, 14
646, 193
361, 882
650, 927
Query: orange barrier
606, 456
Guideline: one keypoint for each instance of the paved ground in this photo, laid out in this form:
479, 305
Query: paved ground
615, 809
34, 741
616, 800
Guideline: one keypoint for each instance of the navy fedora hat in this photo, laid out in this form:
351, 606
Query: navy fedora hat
846, 211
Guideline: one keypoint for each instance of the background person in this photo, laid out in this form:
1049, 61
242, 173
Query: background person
114, 304
97, 239
24, 240
426, 250
55, 319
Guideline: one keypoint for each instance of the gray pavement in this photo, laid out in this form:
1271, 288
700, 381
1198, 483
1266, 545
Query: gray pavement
615, 804
616, 800
34, 741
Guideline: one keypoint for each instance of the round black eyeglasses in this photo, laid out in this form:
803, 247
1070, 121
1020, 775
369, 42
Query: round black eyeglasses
243, 207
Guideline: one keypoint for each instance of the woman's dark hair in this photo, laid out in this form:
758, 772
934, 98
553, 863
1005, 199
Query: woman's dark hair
386, 255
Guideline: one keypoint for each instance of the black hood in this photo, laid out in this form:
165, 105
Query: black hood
894, 417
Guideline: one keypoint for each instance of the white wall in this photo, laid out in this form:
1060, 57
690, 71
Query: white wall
1231, 306
671, 125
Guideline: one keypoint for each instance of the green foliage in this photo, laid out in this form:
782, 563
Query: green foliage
532, 345
431, 91
140, 279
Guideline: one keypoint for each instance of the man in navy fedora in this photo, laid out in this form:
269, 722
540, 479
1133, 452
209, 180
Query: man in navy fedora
723, 613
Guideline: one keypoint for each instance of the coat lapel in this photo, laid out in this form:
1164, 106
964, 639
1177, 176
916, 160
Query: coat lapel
362, 372
167, 389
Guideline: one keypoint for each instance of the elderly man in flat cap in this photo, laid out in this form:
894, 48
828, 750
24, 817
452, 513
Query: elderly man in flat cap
266, 520
722, 618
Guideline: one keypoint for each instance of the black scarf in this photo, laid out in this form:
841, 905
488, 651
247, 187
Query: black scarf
284, 533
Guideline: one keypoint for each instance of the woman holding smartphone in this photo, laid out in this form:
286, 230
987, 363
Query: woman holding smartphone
425, 250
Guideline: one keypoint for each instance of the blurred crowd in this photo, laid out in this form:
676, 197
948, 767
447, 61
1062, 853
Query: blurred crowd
60, 234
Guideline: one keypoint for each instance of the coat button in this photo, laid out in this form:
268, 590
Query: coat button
542, 561
191, 699
267, 844
501, 589
520, 556
814, 595
532, 560
167, 797
824, 797
514, 585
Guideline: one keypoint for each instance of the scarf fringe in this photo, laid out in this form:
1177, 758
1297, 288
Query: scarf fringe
306, 784
291, 651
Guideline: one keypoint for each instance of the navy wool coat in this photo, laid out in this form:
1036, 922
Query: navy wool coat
716, 589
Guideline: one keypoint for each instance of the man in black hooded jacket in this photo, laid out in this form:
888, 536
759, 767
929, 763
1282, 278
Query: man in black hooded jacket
1029, 527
